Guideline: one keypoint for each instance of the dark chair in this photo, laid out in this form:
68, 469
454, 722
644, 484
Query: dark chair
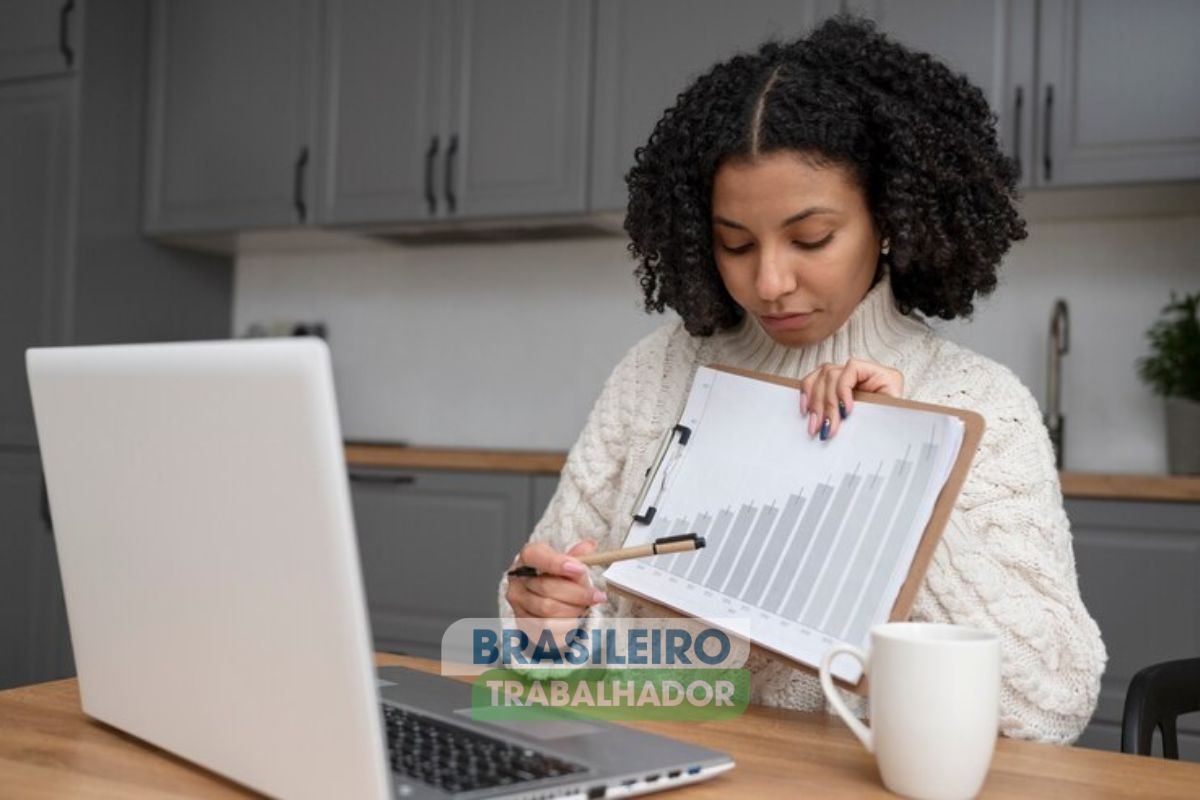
1157, 695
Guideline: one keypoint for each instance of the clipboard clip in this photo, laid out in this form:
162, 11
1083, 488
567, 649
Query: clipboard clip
684, 433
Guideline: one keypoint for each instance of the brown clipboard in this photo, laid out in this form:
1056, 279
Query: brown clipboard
973, 426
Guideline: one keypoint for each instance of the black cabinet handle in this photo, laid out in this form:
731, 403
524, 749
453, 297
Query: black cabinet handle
1018, 112
1046, 162
451, 151
383, 478
64, 32
298, 184
45, 507
430, 155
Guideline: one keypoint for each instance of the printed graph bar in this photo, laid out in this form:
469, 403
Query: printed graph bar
864, 616
822, 595
790, 562
821, 546
752, 551
872, 538
706, 557
657, 525
679, 563
777, 543
731, 546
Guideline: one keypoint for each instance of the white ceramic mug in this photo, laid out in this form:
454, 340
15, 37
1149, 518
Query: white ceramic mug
934, 706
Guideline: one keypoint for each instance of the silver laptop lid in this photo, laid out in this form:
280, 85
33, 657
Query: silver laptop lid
211, 574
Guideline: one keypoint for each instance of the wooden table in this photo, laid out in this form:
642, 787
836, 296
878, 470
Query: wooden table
49, 749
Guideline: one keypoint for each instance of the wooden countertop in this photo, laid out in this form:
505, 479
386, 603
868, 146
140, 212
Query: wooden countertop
402, 457
49, 749
1180, 488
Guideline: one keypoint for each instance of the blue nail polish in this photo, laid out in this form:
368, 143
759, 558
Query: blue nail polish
825, 429
842, 409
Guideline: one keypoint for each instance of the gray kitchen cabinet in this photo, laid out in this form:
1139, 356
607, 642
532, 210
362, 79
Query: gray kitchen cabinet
33, 623
384, 110
519, 106
52, 655
544, 487
646, 53
20, 476
991, 42
1139, 574
232, 114
35, 126
467, 111
38, 38
74, 269
454, 110
1068, 108
1100, 92
1118, 96
433, 545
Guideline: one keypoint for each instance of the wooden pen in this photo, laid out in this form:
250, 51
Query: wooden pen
682, 543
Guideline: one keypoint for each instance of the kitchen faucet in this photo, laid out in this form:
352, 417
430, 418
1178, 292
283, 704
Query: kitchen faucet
1059, 343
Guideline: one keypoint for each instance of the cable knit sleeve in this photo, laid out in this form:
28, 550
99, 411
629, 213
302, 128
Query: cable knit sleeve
584, 502
1006, 564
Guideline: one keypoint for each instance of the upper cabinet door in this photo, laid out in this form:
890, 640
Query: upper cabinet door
38, 37
990, 41
231, 121
383, 106
518, 136
647, 51
1119, 98
35, 169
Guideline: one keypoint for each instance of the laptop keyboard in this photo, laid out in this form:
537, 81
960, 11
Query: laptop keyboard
457, 759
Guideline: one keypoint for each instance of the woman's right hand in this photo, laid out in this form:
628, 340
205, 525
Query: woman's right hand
562, 588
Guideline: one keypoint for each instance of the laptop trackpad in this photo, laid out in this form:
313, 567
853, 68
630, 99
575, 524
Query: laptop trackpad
543, 729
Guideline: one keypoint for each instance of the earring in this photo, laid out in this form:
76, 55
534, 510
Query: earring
886, 246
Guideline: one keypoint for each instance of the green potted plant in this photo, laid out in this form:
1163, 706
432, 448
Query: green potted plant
1173, 370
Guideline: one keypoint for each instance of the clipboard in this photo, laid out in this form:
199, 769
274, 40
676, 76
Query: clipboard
973, 427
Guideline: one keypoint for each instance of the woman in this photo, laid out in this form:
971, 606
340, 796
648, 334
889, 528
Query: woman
795, 207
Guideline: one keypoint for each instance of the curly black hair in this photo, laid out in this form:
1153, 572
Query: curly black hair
917, 138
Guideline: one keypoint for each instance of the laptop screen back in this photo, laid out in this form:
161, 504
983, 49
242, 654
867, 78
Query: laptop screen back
205, 535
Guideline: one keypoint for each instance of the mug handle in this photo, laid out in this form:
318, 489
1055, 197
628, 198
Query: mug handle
835, 698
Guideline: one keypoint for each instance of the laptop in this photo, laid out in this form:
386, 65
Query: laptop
206, 539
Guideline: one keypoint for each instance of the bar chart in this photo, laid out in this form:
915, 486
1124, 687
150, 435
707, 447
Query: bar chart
807, 541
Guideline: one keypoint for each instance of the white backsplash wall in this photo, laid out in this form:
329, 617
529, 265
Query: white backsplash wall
478, 345
506, 345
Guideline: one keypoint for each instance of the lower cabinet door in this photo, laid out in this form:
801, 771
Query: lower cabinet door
433, 545
544, 487
1139, 574
34, 644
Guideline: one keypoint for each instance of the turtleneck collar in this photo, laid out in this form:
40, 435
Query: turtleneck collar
875, 330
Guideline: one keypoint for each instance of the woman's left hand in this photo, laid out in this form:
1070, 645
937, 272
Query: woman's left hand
826, 392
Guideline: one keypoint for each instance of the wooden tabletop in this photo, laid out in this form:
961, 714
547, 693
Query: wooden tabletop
49, 749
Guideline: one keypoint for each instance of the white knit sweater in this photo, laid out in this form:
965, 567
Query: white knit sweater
1004, 563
